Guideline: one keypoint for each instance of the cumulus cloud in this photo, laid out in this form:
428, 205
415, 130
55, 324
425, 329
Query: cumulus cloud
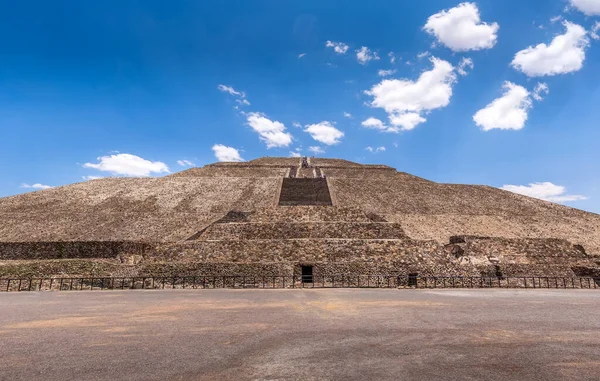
36, 186
544, 191
406, 120
461, 29
338, 47
464, 64
185, 163
295, 154
347, 115
589, 7
316, 150
386, 73
422, 55
565, 54
406, 101
325, 133
271, 132
224, 153
126, 164
392, 57
377, 124
364, 55
509, 112
540, 89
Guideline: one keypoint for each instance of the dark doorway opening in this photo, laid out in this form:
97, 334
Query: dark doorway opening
307, 274
412, 279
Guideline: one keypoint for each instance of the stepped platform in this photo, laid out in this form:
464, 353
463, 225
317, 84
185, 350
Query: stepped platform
278, 215
295, 230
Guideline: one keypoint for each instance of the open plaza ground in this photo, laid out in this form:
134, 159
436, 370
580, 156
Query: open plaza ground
301, 334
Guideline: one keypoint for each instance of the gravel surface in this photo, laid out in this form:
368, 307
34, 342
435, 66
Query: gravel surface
301, 334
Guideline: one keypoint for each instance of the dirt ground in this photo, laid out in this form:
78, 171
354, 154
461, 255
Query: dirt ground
301, 335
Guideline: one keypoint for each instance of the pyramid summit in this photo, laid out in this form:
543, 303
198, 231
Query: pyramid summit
272, 216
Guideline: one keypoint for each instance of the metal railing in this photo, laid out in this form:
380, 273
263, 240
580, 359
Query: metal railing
293, 281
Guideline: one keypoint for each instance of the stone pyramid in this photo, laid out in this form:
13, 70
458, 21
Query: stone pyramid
272, 216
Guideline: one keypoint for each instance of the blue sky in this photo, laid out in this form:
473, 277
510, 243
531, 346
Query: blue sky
137, 87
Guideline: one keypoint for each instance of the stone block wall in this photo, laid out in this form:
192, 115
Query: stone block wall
71, 249
289, 230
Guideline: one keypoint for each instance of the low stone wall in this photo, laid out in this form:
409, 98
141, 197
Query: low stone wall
309, 214
71, 249
394, 252
287, 230
521, 250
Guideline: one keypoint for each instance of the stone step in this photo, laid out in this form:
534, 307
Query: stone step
374, 250
302, 214
304, 191
293, 230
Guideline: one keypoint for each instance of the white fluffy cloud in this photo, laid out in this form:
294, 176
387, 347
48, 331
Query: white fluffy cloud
338, 47
544, 191
377, 124
347, 115
406, 120
461, 29
392, 57
36, 186
589, 7
464, 64
271, 132
364, 55
128, 165
295, 154
405, 101
540, 89
509, 112
316, 150
224, 153
386, 73
565, 54
324, 132
185, 163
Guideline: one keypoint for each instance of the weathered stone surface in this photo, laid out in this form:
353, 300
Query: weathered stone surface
293, 230
224, 219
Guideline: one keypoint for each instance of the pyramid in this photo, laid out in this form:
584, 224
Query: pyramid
273, 216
